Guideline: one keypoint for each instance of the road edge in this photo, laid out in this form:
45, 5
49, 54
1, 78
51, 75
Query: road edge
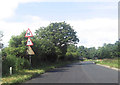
109, 67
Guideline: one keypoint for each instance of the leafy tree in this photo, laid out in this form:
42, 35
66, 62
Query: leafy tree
72, 52
83, 52
92, 52
17, 46
18, 41
44, 50
108, 51
60, 34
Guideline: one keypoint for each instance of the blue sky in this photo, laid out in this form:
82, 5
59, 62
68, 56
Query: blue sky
95, 22
63, 11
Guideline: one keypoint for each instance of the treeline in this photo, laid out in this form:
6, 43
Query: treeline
53, 43
106, 51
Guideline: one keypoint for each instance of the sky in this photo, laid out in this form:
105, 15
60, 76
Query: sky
95, 21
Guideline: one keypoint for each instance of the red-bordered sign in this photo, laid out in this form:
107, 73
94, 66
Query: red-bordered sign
28, 33
29, 42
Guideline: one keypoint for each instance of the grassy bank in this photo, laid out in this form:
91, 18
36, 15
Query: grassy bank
27, 74
108, 62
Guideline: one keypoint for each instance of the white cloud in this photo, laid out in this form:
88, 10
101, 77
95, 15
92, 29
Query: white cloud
92, 32
15, 28
71, 1
7, 7
95, 32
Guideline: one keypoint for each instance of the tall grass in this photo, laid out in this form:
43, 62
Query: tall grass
109, 62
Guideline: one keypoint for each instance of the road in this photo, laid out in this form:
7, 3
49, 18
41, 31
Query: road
84, 72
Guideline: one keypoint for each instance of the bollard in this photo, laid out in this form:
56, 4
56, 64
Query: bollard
10, 70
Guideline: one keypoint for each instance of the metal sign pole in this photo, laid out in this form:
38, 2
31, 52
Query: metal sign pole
30, 59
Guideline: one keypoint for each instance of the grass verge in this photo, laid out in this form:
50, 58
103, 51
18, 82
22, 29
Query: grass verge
26, 74
108, 62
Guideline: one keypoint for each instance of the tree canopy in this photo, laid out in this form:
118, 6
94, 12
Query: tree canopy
60, 34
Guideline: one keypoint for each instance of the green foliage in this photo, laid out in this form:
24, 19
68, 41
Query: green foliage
19, 51
44, 51
106, 51
17, 41
83, 52
59, 35
15, 63
17, 46
72, 52
109, 62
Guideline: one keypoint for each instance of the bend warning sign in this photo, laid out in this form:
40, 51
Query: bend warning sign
29, 42
28, 33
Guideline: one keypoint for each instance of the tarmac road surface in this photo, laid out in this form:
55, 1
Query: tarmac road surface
81, 72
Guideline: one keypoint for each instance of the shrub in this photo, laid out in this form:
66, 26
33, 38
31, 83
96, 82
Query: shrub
7, 63
72, 55
69, 56
15, 63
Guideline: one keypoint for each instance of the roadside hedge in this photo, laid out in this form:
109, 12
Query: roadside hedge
14, 62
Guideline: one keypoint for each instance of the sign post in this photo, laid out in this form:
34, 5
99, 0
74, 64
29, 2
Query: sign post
30, 59
29, 43
30, 52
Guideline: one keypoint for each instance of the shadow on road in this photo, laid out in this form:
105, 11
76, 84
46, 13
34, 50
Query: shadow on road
61, 69
58, 70
66, 68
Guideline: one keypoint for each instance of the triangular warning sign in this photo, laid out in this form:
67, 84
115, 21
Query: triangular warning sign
28, 33
30, 51
29, 42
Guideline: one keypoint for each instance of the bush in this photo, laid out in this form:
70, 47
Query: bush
15, 63
18, 52
7, 63
71, 56
26, 64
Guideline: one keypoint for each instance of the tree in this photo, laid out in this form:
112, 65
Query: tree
44, 50
17, 45
92, 52
72, 52
83, 52
60, 34
108, 51
18, 41
1, 35
118, 48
